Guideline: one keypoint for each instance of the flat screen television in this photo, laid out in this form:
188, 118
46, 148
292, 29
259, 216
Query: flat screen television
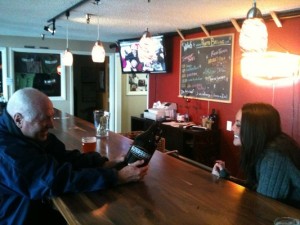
131, 62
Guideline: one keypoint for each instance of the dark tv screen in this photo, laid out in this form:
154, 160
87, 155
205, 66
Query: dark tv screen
132, 63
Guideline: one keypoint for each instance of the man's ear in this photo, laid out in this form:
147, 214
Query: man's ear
18, 118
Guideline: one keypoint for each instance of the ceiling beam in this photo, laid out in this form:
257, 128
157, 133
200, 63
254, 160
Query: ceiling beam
180, 34
236, 25
281, 15
276, 19
204, 30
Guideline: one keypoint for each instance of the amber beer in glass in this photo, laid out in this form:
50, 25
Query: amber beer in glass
88, 144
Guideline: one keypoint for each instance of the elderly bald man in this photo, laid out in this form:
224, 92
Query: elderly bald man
35, 165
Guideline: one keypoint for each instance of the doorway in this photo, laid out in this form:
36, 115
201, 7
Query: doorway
91, 86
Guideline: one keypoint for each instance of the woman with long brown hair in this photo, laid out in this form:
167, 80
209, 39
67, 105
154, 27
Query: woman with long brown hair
270, 159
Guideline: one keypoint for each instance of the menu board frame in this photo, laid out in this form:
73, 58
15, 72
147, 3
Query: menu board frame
206, 68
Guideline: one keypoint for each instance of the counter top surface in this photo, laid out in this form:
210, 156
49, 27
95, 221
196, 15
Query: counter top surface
173, 191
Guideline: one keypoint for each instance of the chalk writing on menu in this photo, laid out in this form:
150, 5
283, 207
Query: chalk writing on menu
206, 68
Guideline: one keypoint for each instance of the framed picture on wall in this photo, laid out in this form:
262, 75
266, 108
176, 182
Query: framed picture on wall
40, 69
2, 67
101, 81
3, 73
137, 83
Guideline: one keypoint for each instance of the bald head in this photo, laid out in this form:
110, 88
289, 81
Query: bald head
29, 102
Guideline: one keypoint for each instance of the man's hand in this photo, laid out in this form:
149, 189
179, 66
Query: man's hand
132, 172
112, 163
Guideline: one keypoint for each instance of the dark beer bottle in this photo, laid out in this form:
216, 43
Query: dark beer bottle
143, 146
214, 118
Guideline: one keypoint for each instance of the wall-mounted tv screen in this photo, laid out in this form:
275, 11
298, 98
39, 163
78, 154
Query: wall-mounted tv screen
131, 62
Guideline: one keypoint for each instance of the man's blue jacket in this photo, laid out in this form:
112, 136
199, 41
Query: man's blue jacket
31, 171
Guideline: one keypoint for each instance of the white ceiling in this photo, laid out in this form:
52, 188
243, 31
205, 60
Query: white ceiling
121, 19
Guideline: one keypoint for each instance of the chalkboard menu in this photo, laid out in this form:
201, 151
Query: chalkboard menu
206, 68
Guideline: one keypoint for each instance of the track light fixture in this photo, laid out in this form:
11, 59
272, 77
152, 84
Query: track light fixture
50, 27
88, 18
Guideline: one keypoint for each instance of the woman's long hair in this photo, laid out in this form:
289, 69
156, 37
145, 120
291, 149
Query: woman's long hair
260, 130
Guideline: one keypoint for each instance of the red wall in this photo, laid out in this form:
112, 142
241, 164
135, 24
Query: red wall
165, 87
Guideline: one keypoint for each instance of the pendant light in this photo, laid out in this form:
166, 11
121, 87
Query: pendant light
270, 68
254, 34
67, 55
146, 49
98, 52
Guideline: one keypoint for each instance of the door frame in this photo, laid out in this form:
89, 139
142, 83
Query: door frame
114, 74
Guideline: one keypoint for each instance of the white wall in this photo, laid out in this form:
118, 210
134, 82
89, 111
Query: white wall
132, 105
122, 106
9, 43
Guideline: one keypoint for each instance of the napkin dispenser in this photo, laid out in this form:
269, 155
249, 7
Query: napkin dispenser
161, 111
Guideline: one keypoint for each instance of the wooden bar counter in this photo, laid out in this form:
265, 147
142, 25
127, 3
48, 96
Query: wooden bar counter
172, 193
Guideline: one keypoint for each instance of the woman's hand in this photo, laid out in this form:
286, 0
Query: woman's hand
218, 167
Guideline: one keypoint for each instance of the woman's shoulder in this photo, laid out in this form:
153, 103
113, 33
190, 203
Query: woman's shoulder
283, 142
275, 156
286, 147
276, 160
